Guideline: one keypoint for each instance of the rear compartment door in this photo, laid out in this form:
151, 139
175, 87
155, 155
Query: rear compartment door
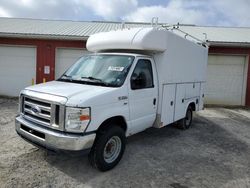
180, 104
201, 101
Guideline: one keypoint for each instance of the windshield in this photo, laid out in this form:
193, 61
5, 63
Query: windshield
105, 70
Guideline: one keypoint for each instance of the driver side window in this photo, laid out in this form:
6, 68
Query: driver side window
142, 76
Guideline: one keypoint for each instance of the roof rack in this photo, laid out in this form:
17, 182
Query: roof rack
177, 28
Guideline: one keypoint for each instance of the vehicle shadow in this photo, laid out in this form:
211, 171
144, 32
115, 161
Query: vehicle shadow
77, 166
167, 154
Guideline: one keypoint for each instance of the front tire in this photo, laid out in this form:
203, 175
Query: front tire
108, 148
186, 122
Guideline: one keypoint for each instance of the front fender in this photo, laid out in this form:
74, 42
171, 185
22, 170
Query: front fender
103, 112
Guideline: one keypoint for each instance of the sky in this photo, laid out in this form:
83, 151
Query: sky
234, 13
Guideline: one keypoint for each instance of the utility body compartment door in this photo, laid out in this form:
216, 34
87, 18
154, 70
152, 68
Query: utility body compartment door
175, 100
201, 99
180, 102
168, 104
192, 90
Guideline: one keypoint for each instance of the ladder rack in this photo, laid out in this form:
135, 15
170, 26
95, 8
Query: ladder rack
177, 28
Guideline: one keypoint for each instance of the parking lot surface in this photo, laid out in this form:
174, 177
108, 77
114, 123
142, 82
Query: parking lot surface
214, 152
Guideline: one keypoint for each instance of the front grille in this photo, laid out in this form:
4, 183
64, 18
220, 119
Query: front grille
41, 112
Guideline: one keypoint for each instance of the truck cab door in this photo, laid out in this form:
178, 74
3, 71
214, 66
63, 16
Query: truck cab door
143, 92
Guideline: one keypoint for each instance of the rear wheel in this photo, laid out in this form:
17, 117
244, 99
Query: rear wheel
108, 148
186, 122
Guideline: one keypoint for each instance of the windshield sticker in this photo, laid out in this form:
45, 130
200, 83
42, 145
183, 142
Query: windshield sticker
112, 68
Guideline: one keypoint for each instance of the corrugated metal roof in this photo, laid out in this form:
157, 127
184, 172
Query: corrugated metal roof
219, 34
75, 30
33, 28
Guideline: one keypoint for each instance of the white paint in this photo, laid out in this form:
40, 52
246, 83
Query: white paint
141, 107
183, 63
175, 60
225, 83
17, 69
180, 105
136, 38
178, 61
62, 89
103, 101
202, 95
65, 57
168, 104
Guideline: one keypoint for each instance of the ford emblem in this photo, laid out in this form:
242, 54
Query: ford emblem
35, 109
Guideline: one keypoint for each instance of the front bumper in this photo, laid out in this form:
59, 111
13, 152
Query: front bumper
51, 139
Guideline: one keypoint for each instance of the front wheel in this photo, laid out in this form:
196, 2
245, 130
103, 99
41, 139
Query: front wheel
108, 148
186, 122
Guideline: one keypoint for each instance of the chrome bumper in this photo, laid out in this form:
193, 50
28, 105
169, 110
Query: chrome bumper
51, 139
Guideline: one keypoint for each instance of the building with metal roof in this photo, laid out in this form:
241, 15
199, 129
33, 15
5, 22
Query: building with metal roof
221, 36
57, 29
33, 51
76, 30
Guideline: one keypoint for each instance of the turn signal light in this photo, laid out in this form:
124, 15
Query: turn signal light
84, 117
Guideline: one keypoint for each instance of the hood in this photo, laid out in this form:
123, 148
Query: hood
68, 90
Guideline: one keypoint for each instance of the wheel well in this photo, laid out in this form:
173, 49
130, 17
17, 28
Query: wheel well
192, 105
117, 120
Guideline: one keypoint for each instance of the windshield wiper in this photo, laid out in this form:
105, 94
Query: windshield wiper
99, 81
92, 78
66, 76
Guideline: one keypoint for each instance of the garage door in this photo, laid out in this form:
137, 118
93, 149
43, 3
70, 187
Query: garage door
225, 80
65, 58
17, 69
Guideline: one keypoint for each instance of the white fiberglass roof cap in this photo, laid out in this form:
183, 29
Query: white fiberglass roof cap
150, 39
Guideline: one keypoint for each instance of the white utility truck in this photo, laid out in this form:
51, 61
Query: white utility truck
135, 79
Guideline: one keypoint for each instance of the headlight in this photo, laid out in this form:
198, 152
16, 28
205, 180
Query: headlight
77, 119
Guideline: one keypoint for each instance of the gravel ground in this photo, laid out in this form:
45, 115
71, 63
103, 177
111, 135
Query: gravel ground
215, 152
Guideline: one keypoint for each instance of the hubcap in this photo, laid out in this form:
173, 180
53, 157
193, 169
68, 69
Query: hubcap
112, 149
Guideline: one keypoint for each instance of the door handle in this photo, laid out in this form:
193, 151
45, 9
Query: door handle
154, 101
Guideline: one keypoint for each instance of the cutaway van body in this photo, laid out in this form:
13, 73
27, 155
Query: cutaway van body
135, 79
